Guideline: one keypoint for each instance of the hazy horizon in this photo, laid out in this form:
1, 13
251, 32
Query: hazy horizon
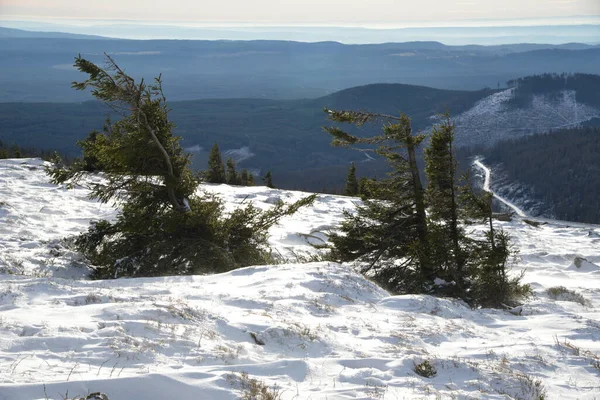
462, 23
556, 30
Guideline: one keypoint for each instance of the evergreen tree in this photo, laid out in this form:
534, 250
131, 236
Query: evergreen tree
490, 257
244, 178
382, 232
351, 182
152, 151
363, 187
216, 168
163, 227
268, 179
402, 248
16, 152
447, 237
251, 181
89, 158
232, 175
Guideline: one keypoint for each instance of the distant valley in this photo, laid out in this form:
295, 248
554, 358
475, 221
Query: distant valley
262, 101
282, 135
40, 69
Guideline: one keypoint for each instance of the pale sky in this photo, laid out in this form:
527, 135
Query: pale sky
293, 12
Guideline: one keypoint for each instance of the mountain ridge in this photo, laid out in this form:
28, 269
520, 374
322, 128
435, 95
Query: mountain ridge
275, 69
12, 33
286, 138
283, 134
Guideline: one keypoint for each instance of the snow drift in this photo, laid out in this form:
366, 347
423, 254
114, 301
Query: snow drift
307, 330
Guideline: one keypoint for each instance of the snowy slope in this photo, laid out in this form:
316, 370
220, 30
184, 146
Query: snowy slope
491, 120
328, 333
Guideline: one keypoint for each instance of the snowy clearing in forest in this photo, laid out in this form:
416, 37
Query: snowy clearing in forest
308, 331
492, 119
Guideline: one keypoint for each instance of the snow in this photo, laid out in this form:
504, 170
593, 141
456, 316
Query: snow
239, 155
328, 333
486, 187
491, 120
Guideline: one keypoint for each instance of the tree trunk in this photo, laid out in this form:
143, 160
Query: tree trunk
170, 178
459, 257
491, 218
427, 271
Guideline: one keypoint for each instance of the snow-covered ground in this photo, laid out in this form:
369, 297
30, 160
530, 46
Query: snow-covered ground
326, 332
492, 120
486, 186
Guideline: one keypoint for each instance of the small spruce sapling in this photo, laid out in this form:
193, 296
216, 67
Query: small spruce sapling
268, 179
351, 188
216, 168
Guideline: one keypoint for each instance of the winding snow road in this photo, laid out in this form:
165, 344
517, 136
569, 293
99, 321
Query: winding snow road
486, 187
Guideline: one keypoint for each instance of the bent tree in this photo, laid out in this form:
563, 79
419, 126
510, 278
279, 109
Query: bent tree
165, 226
390, 234
410, 238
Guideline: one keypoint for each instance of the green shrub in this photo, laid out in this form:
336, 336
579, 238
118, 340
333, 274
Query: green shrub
425, 369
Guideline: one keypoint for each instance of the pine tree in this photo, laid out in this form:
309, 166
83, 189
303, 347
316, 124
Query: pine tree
402, 248
244, 178
351, 182
88, 149
448, 249
382, 232
163, 227
491, 285
216, 168
152, 151
268, 179
232, 175
251, 181
16, 152
363, 187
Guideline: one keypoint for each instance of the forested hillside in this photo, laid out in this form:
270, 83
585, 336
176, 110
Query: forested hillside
283, 136
15, 151
533, 105
562, 169
552, 86
40, 69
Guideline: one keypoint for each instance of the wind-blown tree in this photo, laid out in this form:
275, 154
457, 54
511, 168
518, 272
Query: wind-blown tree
163, 227
139, 155
389, 232
404, 248
351, 188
